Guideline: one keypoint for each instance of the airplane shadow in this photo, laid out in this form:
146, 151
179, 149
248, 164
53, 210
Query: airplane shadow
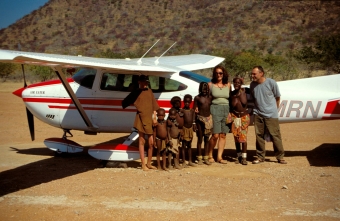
47, 170
44, 171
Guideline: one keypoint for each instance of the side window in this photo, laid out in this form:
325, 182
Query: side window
128, 82
111, 82
85, 77
154, 82
119, 82
161, 84
172, 85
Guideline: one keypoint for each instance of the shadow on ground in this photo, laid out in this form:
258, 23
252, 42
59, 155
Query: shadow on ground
50, 169
43, 171
325, 155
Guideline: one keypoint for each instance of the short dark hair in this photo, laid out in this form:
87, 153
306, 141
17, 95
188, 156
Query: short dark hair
143, 78
160, 110
174, 99
172, 110
260, 68
187, 96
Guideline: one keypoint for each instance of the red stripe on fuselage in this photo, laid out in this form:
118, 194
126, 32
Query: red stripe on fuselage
103, 102
91, 108
333, 107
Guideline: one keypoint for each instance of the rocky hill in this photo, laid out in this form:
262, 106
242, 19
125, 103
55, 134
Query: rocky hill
206, 26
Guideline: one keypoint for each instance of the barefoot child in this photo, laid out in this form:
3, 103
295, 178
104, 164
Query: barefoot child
188, 129
241, 119
204, 122
173, 135
160, 135
176, 104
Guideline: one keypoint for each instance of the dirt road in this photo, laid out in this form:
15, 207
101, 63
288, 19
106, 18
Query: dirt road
35, 185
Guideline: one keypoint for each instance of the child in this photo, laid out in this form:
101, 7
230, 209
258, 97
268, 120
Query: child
204, 122
176, 104
173, 134
188, 129
241, 119
160, 135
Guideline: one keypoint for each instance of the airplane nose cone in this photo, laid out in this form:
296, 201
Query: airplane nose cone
19, 92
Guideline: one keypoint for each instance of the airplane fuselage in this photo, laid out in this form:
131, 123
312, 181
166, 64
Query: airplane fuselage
101, 98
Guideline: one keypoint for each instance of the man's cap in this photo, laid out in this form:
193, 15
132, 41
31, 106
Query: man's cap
143, 78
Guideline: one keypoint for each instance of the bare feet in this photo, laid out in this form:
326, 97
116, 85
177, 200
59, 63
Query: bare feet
221, 161
145, 168
211, 160
150, 167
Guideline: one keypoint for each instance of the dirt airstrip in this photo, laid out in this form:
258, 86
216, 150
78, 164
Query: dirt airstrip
36, 185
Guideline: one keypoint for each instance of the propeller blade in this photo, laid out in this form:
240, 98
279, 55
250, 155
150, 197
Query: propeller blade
30, 120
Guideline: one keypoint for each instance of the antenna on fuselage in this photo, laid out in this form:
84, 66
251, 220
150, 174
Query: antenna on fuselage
140, 60
157, 62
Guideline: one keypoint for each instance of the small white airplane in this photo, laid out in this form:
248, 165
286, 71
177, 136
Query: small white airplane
90, 100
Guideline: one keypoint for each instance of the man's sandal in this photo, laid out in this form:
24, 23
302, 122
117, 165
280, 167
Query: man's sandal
258, 160
282, 161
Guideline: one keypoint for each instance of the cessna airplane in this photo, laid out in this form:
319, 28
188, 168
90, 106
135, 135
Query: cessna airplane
90, 100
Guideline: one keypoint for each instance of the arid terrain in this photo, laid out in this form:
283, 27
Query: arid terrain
36, 185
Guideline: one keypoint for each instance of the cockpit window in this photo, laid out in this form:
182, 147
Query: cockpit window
128, 82
85, 77
193, 76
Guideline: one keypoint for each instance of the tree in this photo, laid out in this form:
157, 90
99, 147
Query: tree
42, 72
279, 67
324, 54
6, 69
245, 61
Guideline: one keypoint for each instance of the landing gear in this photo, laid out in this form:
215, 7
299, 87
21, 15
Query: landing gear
58, 152
67, 131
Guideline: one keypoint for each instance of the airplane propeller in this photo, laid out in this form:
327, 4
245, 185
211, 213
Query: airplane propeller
30, 117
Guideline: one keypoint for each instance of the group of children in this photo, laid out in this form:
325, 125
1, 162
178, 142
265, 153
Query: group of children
176, 132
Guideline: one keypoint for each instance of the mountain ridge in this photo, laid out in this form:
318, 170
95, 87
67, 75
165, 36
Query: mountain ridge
88, 27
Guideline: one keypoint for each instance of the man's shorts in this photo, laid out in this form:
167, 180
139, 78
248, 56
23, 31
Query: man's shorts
219, 114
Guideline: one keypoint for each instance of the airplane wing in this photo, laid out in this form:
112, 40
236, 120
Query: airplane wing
165, 64
162, 64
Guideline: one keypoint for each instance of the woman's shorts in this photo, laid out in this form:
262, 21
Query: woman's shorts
219, 114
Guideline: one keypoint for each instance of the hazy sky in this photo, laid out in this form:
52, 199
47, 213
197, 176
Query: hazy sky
13, 10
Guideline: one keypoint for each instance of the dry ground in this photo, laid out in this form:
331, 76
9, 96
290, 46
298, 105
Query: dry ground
35, 185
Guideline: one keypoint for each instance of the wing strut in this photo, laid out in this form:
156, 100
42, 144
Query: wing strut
74, 98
